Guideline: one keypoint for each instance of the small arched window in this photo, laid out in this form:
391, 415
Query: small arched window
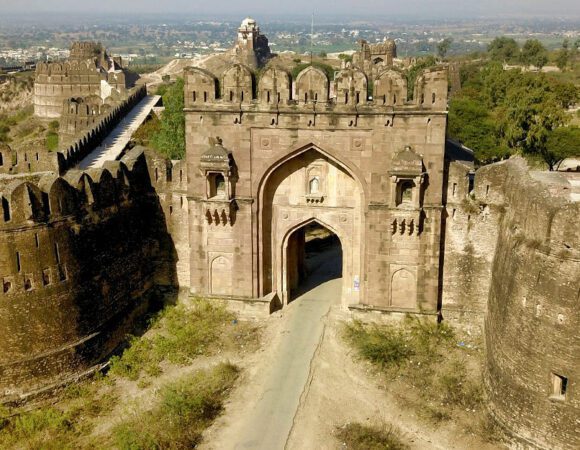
1, 160
394, 99
346, 98
205, 96
220, 185
231, 96
194, 96
268, 96
314, 185
422, 98
405, 192
242, 96
433, 97
357, 98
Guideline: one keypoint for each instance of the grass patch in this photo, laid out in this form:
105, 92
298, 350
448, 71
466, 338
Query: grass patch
46, 428
427, 359
52, 141
185, 409
356, 436
180, 334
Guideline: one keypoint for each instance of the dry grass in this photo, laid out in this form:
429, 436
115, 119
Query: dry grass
428, 360
179, 334
183, 408
355, 436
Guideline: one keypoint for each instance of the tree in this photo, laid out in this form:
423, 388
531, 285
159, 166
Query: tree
563, 56
345, 57
503, 49
534, 54
528, 114
471, 123
562, 143
566, 94
443, 47
170, 138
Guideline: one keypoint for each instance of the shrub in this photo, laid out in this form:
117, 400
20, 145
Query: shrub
384, 346
356, 436
180, 334
424, 355
43, 428
52, 141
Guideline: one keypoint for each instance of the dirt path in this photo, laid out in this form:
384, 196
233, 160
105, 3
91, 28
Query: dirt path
263, 416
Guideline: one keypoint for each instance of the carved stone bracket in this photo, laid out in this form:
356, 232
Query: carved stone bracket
314, 198
220, 212
406, 222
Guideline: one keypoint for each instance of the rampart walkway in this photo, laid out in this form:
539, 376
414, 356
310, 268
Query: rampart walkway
113, 145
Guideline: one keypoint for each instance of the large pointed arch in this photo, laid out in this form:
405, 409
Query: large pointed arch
286, 155
274, 225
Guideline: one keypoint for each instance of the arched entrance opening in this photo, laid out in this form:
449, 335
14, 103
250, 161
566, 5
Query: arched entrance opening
313, 256
306, 187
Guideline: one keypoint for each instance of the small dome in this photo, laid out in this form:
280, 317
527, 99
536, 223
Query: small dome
216, 155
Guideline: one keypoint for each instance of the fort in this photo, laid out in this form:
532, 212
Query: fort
496, 251
89, 72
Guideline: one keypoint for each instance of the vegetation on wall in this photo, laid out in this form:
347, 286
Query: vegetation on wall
414, 71
169, 138
52, 136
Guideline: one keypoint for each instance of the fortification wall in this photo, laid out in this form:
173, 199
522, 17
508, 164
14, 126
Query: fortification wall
169, 179
34, 159
91, 137
532, 323
76, 256
474, 209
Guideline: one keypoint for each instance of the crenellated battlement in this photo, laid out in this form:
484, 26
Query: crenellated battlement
238, 86
78, 254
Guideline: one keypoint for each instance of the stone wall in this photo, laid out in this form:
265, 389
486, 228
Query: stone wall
34, 159
532, 322
169, 179
474, 209
77, 255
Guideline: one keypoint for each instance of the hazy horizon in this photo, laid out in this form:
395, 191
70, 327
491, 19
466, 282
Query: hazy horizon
420, 9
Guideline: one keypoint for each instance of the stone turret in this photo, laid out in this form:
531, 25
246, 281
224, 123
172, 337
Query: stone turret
251, 47
374, 58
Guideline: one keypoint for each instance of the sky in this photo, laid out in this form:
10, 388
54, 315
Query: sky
360, 8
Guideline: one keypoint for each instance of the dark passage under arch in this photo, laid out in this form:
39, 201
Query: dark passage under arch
313, 257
